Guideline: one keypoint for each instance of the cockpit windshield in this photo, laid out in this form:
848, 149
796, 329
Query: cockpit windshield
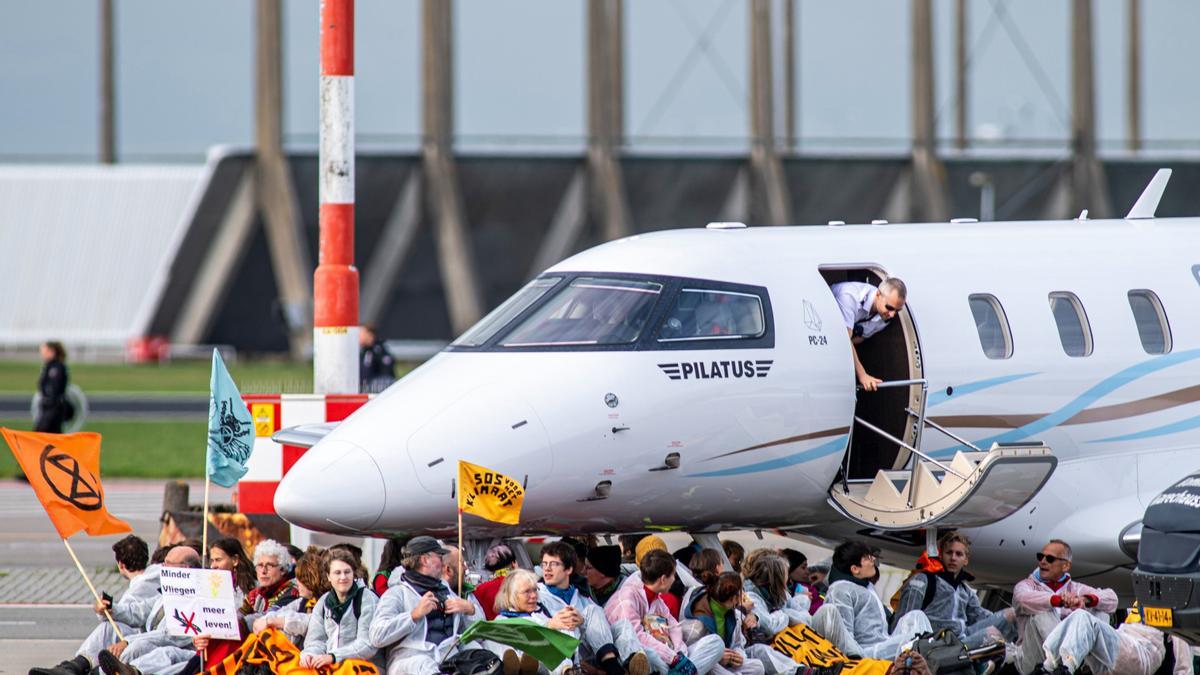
498, 318
589, 311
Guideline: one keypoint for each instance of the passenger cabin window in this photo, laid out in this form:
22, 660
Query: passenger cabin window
992, 326
498, 318
713, 315
1151, 321
1073, 329
588, 311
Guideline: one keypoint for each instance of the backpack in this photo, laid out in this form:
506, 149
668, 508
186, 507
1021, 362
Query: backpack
471, 662
944, 653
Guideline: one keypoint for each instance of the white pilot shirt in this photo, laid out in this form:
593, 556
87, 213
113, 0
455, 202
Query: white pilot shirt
856, 300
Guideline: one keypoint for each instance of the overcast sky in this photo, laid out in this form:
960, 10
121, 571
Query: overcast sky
185, 73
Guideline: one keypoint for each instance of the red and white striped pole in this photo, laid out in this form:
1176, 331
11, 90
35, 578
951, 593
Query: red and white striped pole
335, 283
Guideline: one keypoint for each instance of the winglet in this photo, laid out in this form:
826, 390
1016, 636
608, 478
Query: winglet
1147, 204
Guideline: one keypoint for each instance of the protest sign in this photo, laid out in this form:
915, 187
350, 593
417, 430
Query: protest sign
199, 602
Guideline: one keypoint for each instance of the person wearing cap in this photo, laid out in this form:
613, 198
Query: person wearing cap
602, 568
417, 618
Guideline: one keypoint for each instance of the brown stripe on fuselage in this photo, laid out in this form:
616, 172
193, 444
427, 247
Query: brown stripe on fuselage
1141, 406
1106, 413
791, 439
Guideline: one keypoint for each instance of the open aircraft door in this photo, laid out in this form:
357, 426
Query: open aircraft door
887, 482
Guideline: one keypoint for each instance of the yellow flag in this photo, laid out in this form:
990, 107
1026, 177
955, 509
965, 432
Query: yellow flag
805, 646
489, 494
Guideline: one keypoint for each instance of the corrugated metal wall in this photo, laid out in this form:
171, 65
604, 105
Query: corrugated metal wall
85, 248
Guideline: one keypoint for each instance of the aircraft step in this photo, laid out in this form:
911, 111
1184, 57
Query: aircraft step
970, 490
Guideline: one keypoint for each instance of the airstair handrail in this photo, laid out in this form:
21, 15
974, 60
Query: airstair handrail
906, 446
949, 433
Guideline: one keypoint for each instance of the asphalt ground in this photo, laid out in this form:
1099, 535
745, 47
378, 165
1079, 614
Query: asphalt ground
44, 603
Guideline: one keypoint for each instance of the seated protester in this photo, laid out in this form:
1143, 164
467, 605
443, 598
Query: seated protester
715, 607
683, 576
153, 650
499, 560
360, 570
602, 569
766, 586
393, 551
518, 599
454, 567
862, 625
639, 601
311, 583
798, 578
276, 584
417, 619
774, 608
557, 593
628, 543
130, 612
817, 577
577, 579
339, 626
228, 554
735, 553
704, 564
947, 600
1046, 597
1083, 639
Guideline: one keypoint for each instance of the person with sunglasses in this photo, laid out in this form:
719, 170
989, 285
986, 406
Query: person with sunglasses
1046, 597
866, 310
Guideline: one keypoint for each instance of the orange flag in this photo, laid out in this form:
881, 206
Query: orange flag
64, 471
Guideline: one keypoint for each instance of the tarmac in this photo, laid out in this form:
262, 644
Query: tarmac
45, 606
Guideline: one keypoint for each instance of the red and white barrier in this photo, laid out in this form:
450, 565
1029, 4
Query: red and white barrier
270, 461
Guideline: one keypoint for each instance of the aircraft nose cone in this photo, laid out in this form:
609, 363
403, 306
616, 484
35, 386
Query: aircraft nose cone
336, 486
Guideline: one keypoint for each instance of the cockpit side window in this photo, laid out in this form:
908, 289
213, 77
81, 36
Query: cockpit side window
701, 314
589, 311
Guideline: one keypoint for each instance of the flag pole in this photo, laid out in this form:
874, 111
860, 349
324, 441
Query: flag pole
461, 552
204, 522
92, 588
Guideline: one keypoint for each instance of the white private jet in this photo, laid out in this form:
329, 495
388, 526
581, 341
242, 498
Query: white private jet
701, 380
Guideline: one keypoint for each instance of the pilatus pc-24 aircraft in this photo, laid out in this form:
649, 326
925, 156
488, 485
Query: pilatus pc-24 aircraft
1044, 385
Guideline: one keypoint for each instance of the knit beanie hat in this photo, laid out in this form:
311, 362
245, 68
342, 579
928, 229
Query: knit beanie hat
606, 560
649, 544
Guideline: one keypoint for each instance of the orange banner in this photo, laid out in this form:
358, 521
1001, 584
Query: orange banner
64, 471
272, 649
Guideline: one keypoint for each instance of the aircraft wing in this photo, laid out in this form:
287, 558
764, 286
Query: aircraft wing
303, 435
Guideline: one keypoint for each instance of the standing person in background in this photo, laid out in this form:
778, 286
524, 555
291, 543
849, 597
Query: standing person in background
52, 393
377, 367
52, 386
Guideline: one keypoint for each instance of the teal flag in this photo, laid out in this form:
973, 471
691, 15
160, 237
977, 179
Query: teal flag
230, 428
547, 645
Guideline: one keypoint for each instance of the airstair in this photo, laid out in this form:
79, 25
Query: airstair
975, 487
